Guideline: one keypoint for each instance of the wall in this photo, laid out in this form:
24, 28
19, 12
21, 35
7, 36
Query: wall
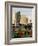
2, 22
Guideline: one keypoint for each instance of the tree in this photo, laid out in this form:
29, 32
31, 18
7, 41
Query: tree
18, 16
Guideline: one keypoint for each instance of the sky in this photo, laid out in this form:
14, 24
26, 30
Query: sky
24, 11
